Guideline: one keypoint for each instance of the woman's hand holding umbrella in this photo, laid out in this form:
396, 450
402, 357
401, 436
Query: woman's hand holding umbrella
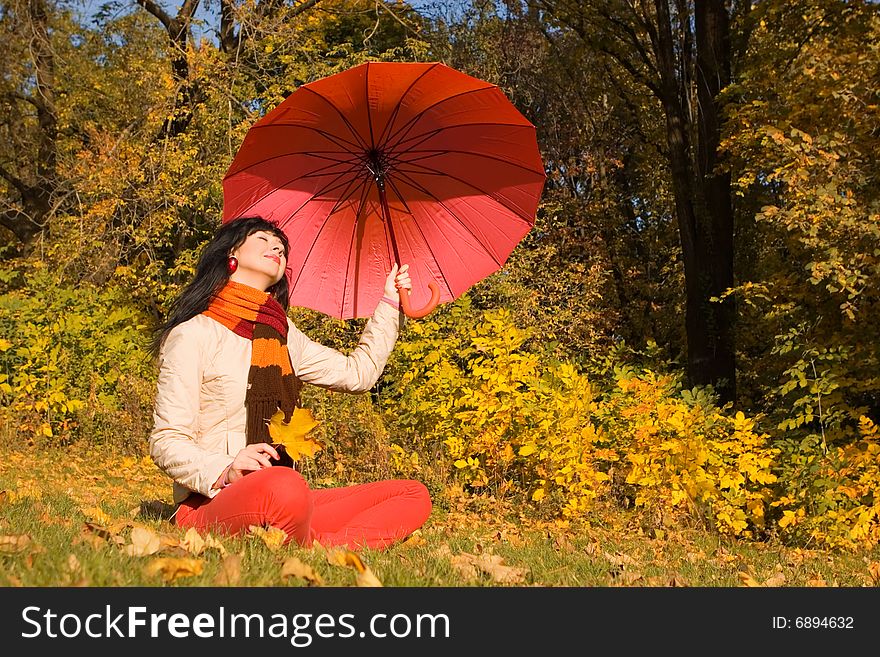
396, 281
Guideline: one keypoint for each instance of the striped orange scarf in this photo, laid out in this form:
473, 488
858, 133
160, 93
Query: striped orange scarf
272, 383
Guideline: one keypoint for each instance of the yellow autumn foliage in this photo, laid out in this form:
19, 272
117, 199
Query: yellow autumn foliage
680, 455
830, 500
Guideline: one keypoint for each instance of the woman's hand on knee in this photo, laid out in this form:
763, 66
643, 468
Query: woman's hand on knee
253, 457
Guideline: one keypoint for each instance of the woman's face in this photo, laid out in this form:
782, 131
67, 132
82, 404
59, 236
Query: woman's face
261, 260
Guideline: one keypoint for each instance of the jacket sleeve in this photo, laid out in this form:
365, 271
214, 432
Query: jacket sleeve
173, 445
356, 372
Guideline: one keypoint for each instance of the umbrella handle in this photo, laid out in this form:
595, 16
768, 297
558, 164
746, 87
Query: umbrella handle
409, 311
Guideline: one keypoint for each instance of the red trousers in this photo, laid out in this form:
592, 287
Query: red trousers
373, 515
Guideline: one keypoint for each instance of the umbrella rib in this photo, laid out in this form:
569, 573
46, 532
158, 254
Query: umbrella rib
367, 104
425, 136
346, 195
528, 220
443, 205
399, 103
406, 127
311, 247
336, 139
341, 115
316, 154
430, 154
366, 191
281, 187
426, 242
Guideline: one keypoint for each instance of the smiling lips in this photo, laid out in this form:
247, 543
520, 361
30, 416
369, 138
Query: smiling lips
275, 258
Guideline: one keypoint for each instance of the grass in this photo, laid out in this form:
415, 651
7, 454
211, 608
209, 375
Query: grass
51, 496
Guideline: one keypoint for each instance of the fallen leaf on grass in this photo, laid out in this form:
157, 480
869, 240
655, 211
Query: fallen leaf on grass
75, 569
747, 580
192, 541
817, 581
144, 542
97, 515
415, 540
561, 543
620, 559
103, 533
874, 572
592, 548
13, 544
622, 577
470, 565
725, 557
676, 581
195, 543
212, 543
293, 567
172, 568
777, 579
273, 537
695, 557
230, 571
348, 559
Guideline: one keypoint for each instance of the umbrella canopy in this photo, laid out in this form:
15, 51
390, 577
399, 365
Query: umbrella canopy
389, 162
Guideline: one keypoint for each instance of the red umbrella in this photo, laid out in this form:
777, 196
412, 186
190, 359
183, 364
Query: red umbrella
390, 162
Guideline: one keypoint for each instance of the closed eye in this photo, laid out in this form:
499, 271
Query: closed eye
278, 243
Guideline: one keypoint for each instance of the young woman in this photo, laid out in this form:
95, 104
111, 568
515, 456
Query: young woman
229, 358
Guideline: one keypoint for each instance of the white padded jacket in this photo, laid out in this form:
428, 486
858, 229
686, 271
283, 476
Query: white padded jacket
199, 415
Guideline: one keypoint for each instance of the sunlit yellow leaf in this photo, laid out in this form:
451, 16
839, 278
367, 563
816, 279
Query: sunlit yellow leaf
144, 542
346, 558
273, 537
97, 515
293, 434
293, 567
230, 571
14, 543
470, 565
415, 540
172, 568
367, 578
193, 542
748, 580
212, 543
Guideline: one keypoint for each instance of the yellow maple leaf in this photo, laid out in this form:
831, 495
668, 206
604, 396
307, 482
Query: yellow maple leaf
293, 434
339, 556
172, 568
273, 537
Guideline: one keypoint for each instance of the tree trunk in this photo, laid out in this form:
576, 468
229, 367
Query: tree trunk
36, 188
178, 36
712, 29
702, 201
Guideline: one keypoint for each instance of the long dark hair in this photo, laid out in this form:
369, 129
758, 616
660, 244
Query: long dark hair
212, 274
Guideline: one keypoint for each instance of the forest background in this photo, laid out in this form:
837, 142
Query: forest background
687, 339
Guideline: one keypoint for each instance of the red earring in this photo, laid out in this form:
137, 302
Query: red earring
232, 265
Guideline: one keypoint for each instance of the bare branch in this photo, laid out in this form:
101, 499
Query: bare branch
33, 100
16, 182
188, 10
304, 7
158, 12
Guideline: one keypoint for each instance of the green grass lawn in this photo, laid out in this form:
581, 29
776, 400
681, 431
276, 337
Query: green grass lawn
69, 516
